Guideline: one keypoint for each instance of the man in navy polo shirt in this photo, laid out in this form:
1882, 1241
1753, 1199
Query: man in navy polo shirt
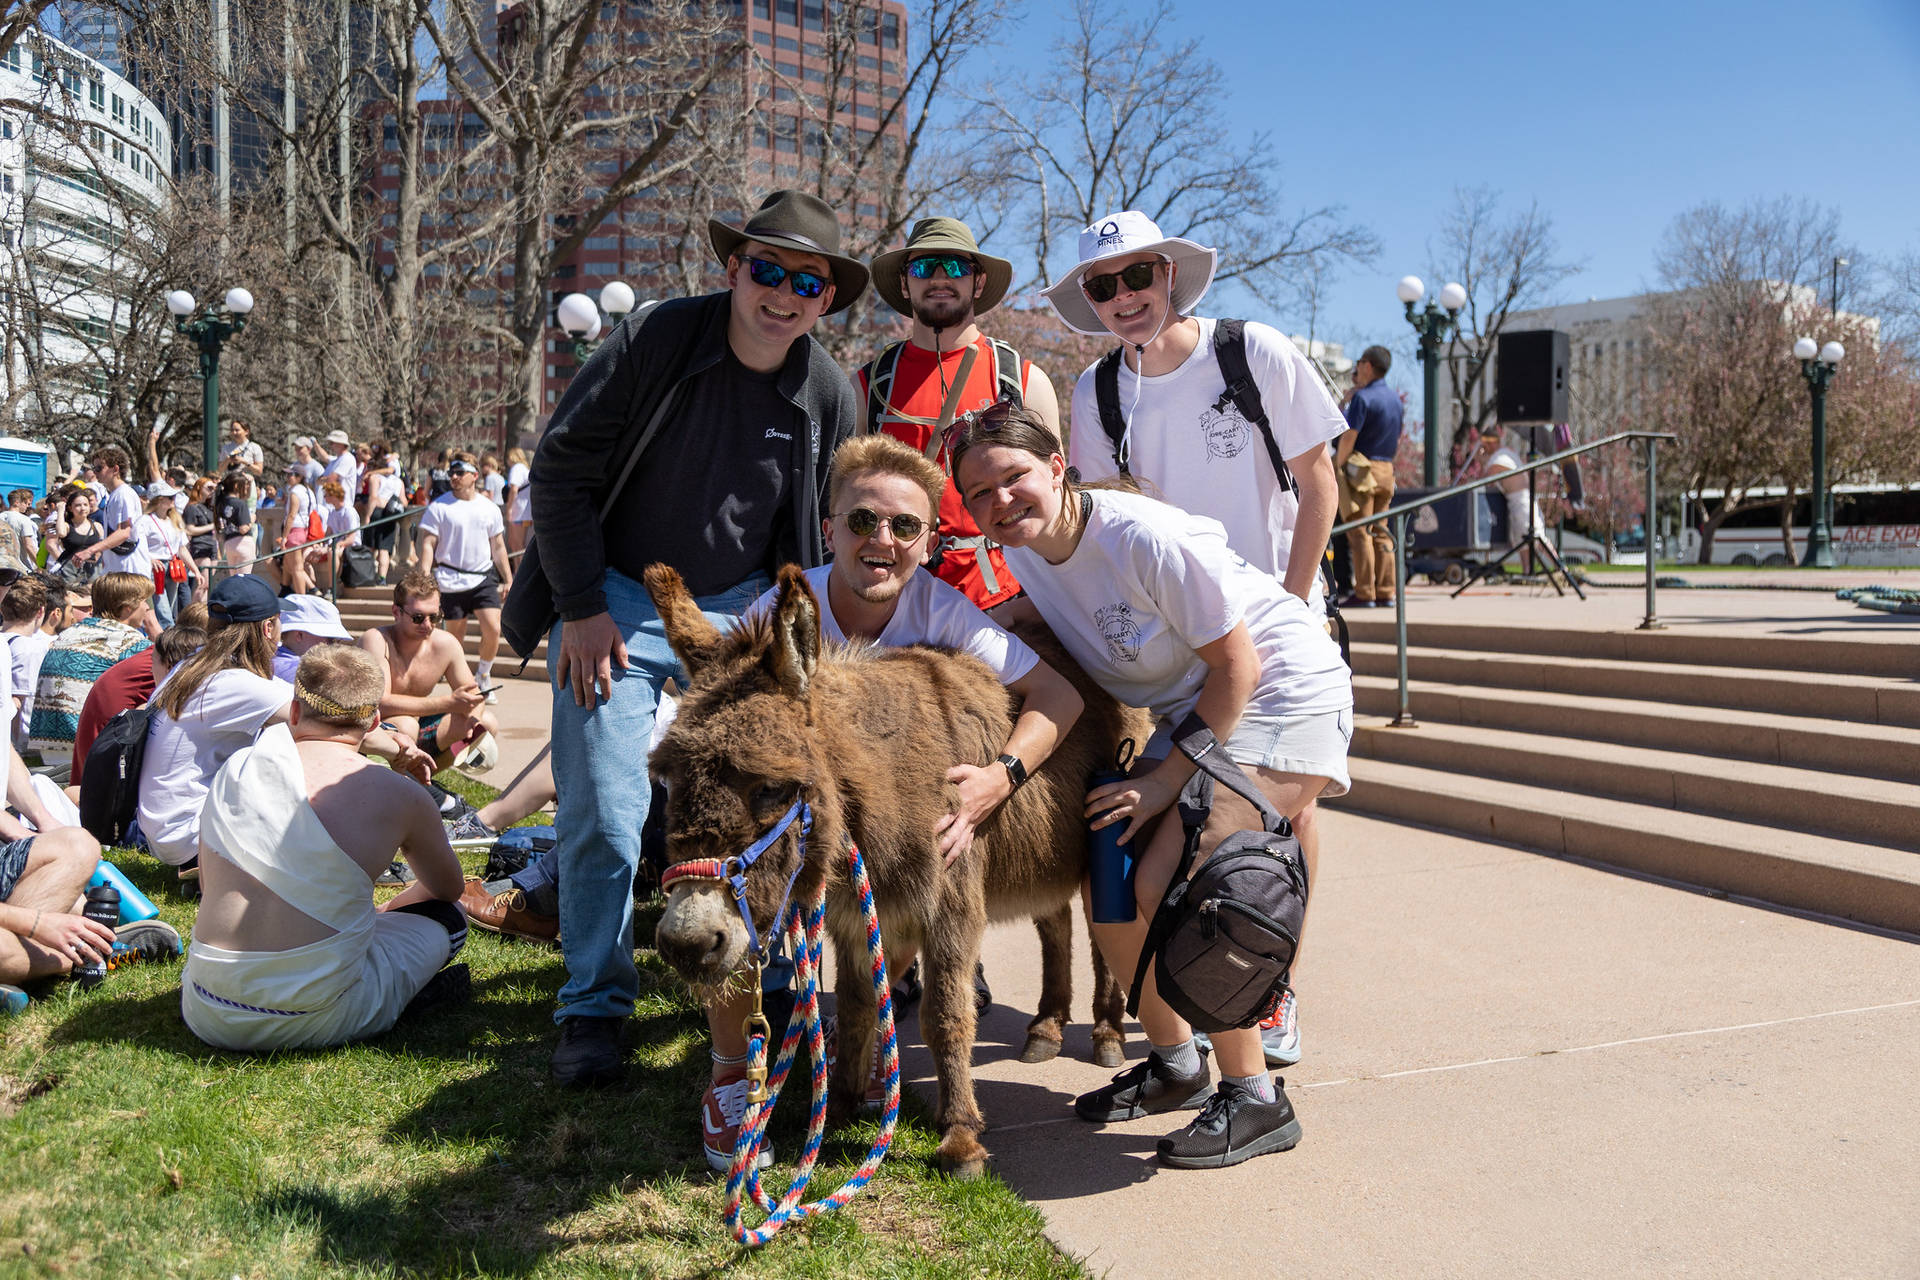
1364, 459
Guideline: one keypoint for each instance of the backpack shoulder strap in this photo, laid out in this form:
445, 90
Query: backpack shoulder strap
1106, 390
880, 373
1006, 372
1196, 742
1230, 349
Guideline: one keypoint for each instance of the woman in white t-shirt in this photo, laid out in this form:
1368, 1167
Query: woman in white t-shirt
519, 501
215, 703
1162, 614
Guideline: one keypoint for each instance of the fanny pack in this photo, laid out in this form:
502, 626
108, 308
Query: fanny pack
1222, 943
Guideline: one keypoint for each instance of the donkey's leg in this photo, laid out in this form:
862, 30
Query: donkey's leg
1049, 1024
854, 1012
947, 1025
1109, 1004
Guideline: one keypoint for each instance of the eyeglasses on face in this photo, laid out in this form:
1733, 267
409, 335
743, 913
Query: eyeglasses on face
768, 275
422, 619
953, 268
864, 523
1102, 288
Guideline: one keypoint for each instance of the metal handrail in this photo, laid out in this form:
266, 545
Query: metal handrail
333, 576
1398, 515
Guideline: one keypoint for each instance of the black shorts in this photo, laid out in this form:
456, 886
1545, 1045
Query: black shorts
464, 604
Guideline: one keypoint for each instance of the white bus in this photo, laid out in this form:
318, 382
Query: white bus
1875, 525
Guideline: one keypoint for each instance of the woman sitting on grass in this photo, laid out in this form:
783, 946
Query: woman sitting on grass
288, 950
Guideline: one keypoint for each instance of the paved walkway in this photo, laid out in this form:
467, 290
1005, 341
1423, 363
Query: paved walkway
1514, 1065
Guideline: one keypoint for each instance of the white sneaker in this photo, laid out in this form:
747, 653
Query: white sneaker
1280, 1034
493, 695
481, 756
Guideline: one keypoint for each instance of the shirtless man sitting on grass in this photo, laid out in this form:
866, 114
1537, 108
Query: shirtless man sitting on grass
418, 657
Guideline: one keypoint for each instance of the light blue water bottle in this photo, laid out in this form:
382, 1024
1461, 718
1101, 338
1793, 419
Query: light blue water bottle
134, 905
1110, 863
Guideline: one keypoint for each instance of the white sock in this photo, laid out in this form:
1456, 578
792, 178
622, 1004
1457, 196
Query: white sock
1260, 1086
1182, 1059
482, 671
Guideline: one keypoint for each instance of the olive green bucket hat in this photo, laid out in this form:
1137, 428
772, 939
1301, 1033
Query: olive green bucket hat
941, 235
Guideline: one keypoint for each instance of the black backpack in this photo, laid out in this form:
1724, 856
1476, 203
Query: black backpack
110, 782
1230, 349
1222, 943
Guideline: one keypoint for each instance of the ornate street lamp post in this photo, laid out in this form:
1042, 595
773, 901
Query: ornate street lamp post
1434, 326
1818, 367
580, 318
209, 332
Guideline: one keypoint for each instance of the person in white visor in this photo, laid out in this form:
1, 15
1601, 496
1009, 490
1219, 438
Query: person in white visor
1174, 425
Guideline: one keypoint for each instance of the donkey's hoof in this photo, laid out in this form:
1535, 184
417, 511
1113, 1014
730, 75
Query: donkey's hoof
1109, 1051
1040, 1048
962, 1157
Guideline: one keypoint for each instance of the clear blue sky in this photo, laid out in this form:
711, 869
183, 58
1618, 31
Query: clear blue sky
1615, 117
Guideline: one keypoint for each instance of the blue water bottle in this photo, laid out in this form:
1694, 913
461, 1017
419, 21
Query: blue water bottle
1110, 863
134, 905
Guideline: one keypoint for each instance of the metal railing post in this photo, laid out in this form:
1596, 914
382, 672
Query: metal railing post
1404, 719
1652, 621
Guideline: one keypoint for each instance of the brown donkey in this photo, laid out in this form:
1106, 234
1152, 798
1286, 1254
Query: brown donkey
865, 736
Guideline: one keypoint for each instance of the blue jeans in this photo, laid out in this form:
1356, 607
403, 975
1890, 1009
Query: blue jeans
600, 775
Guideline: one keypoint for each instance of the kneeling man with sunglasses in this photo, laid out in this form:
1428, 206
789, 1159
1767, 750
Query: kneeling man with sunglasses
883, 505
418, 658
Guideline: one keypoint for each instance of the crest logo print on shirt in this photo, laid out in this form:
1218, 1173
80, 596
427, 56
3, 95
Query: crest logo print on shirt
1226, 432
1120, 631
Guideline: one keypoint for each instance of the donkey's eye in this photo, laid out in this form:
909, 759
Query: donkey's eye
771, 797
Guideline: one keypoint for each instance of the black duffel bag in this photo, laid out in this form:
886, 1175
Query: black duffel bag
358, 568
1223, 942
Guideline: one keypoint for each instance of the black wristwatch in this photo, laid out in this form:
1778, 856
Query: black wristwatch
1015, 770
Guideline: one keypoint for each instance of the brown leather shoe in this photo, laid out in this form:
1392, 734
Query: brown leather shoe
506, 913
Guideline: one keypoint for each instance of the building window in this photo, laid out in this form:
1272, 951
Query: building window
119, 152
96, 95
890, 30
97, 138
815, 16
786, 44
119, 108
787, 11
763, 8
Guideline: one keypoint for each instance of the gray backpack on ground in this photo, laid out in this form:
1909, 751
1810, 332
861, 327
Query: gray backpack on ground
1223, 942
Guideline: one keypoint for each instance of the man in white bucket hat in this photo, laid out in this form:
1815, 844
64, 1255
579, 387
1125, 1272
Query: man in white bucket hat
1247, 448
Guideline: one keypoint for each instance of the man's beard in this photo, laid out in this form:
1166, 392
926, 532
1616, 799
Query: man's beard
940, 314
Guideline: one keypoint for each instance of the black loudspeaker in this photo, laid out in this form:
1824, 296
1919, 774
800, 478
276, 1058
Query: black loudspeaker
1530, 376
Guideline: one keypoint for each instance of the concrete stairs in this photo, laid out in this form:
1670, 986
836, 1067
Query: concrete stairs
365, 607
1768, 767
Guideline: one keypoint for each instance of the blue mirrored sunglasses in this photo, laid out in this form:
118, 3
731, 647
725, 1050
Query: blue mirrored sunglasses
768, 275
939, 264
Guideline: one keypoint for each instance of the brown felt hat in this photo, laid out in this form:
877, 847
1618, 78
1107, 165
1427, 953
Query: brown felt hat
940, 235
806, 223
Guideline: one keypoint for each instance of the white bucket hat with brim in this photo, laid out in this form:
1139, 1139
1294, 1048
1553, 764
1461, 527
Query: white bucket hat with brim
1122, 235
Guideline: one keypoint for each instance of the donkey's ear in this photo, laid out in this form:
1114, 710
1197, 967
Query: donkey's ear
695, 640
796, 634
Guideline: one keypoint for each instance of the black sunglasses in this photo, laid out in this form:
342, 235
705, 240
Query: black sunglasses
942, 264
768, 275
864, 523
1102, 288
422, 619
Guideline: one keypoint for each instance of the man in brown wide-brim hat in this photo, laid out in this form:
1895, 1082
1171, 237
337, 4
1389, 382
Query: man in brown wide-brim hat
943, 283
696, 436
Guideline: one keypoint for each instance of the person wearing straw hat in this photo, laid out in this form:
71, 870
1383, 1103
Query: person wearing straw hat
912, 390
696, 436
1170, 418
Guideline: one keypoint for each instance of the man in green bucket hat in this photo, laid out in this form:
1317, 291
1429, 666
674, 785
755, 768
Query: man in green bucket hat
943, 283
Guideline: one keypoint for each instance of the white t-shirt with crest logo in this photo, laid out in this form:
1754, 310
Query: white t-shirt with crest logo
1212, 461
1149, 585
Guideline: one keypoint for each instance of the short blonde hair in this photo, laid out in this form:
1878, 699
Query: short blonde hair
114, 594
881, 453
339, 685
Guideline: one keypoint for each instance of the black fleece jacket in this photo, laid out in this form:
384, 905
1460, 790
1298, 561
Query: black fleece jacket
601, 417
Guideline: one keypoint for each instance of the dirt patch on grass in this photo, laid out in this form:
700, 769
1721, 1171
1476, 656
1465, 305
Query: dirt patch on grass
15, 1091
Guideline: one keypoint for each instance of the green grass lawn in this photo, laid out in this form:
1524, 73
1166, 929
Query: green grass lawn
130, 1149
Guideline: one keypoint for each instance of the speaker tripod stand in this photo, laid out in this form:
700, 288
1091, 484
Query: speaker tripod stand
1535, 546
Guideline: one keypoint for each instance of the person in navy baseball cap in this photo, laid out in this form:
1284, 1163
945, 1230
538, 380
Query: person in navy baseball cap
243, 598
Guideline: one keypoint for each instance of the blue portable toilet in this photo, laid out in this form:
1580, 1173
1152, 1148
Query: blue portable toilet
23, 465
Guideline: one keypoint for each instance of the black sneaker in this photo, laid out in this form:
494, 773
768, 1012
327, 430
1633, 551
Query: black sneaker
908, 993
982, 993
589, 1055
397, 872
1233, 1126
149, 940
1146, 1088
451, 985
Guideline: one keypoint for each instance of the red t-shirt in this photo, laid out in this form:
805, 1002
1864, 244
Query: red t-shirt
914, 402
127, 683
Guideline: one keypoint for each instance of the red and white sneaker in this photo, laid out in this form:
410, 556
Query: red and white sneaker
1280, 1034
721, 1111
